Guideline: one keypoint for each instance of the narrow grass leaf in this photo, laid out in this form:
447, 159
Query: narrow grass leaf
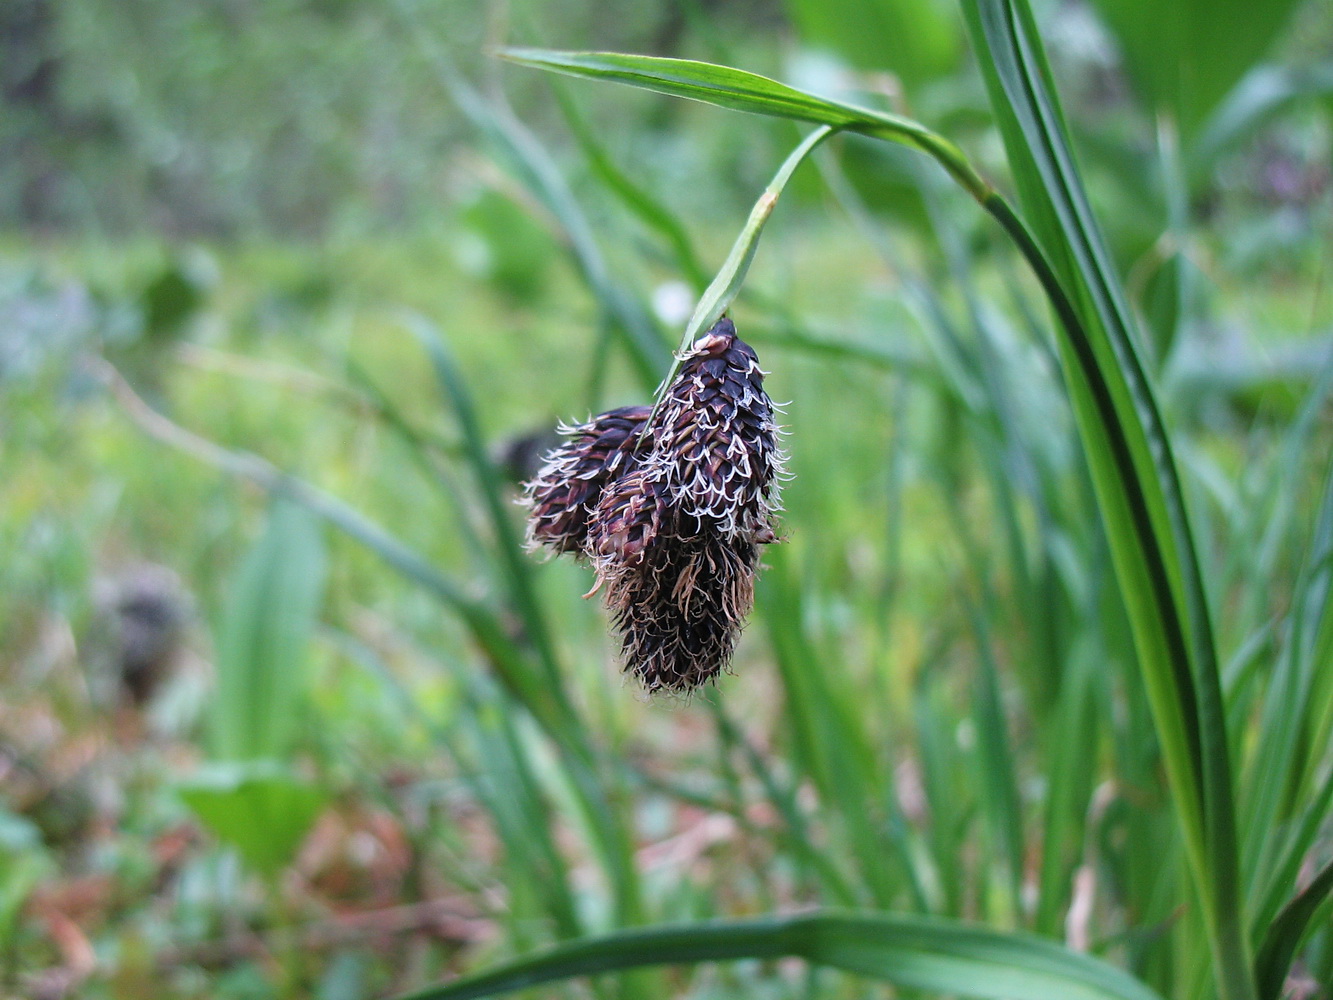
564, 725
1130, 457
518, 569
534, 167
727, 283
647, 209
741, 90
1071, 768
831, 742
998, 775
507, 783
909, 952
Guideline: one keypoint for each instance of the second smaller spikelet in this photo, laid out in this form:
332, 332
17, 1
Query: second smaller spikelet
572, 478
672, 514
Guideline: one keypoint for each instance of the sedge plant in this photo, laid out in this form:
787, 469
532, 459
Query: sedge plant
949, 876
1250, 925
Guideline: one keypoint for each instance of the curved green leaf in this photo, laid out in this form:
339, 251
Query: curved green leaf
1287, 933
1130, 457
723, 289
741, 90
912, 952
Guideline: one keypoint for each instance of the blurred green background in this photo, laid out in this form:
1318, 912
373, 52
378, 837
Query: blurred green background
344, 743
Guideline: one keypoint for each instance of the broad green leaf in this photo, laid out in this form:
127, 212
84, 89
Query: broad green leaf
1184, 56
910, 952
258, 807
1265, 92
263, 635
916, 40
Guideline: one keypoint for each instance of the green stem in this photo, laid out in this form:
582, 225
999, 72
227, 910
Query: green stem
720, 293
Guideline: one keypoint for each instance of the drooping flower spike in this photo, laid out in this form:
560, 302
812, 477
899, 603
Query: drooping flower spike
672, 513
715, 440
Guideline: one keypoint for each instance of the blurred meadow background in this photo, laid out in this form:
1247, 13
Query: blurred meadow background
293, 293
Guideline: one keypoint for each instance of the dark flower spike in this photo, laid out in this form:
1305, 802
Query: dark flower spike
570, 483
627, 519
679, 612
671, 509
715, 441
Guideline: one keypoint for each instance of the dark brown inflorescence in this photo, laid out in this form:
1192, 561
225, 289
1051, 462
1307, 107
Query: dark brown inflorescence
571, 481
672, 514
717, 444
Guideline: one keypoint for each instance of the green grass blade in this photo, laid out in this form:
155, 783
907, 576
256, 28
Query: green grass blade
1130, 456
1071, 768
564, 724
949, 798
911, 952
1277, 846
263, 636
645, 207
488, 631
537, 171
723, 289
828, 732
518, 569
508, 785
998, 774
1312, 623
739, 90
805, 850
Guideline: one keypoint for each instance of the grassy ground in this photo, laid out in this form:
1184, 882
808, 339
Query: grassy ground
935, 709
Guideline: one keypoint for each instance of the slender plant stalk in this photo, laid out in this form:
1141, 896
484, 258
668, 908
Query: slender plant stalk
723, 289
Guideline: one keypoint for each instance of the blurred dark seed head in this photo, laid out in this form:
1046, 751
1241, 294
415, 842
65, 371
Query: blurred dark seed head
569, 485
144, 610
672, 514
521, 458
